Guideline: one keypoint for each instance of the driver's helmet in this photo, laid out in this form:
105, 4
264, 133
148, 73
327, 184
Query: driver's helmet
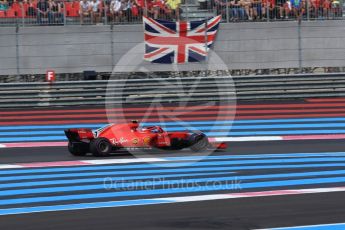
154, 130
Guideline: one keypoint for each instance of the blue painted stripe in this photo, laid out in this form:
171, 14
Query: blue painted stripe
197, 128
82, 206
210, 134
281, 155
289, 132
338, 226
181, 170
171, 190
38, 138
101, 179
223, 122
30, 133
121, 184
245, 121
242, 127
30, 127
168, 164
253, 156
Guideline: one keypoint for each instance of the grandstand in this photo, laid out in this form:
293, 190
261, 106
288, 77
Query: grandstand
25, 12
268, 42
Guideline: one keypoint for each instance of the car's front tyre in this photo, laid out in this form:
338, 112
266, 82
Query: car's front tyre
198, 142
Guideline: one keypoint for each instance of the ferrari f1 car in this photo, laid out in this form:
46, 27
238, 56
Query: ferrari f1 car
113, 137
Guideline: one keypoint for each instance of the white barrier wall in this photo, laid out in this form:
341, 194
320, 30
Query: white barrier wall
256, 45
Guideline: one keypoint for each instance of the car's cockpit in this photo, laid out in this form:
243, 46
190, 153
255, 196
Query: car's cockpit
152, 129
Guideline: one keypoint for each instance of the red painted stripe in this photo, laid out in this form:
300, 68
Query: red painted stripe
266, 193
151, 114
190, 108
102, 115
52, 164
244, 117
314, 137
35, 144
102, 110
285, 106
290, 116
326, 100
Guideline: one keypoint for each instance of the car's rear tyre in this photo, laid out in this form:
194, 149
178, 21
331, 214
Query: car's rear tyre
198, 142
76, 150
100, 147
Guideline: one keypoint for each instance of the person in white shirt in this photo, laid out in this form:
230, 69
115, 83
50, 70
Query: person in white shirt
116, 9
95, 10
84, 10
126, 9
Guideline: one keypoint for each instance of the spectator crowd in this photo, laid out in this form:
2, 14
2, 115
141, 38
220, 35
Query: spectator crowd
239, 10
94, 11
54, 11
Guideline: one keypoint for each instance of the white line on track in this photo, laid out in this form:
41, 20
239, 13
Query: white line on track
123, 161
257, 138
80, 163
10, 166
212, 139
311, 227
168, 200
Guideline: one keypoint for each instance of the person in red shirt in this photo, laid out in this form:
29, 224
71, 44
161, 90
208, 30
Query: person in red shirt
314, 8
154, 8
142, 6
270, 6
326, 8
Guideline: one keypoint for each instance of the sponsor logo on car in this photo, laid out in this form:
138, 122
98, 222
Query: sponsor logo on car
120, 141
146, 140
135, 141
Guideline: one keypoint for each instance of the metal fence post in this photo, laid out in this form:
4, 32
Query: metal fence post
17, 50
308, 10
105, 8
227, 11
112, 45
268, 4
187, 4
23, 14
64, 14
145, 8
299, 21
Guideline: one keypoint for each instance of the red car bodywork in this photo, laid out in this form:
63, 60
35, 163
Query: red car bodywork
130, 135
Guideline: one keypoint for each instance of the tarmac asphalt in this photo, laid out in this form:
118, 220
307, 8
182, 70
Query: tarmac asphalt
241, 213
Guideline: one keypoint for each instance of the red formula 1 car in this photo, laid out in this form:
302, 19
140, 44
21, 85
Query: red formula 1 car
112, 137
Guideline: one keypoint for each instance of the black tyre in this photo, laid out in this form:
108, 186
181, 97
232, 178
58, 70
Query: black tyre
198, 142
76, 150
176, 144
100, 147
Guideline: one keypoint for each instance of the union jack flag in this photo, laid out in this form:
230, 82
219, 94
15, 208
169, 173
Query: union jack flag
178, 42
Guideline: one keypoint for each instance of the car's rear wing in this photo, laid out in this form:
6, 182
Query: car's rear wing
79, 134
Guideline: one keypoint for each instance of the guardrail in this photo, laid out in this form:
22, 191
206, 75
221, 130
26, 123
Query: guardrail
166, 90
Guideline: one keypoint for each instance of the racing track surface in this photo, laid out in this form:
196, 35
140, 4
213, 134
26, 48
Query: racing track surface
241, 213
253, 184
